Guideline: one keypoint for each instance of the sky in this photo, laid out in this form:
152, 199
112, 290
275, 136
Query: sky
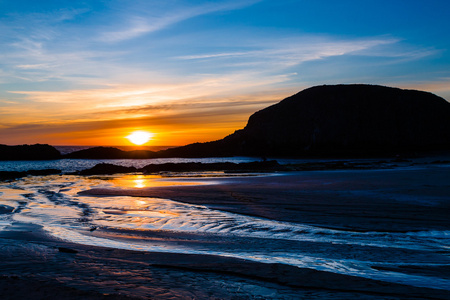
91, 72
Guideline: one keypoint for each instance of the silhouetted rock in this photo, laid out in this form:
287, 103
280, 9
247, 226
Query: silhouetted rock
110, 153
338, 120
67, 250
103, 169
261, 166
6, 209
43, 172
8, 175
334, 120
29, 152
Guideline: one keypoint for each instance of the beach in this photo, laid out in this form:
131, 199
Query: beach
345, 234
260, 150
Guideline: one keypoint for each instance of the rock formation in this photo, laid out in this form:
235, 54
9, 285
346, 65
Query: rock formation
338, 120
329, 120
29, 152
110, 153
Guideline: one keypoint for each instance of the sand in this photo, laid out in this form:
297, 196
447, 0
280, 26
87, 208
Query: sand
362, 200
35, 265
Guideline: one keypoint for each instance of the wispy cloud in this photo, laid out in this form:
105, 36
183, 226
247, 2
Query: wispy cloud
206, 91
297, 51
176, 123
216, 55
146, 22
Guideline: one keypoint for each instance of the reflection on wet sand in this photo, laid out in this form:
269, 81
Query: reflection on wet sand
146, 181
68, 209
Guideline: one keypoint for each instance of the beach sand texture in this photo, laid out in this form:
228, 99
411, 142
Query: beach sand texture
355, 234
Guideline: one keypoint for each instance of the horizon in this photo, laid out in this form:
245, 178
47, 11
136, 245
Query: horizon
89, 73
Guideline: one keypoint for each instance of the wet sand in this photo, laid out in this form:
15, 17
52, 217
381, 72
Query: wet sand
360, 200
38, 266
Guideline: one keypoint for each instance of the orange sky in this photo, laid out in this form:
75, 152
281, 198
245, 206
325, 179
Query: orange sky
176, 115
91, 72
107, 116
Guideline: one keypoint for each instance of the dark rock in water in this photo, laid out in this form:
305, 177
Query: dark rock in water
338, 120
6, 209
260, 166
266, 166
105, 169
43, 172
67, 250
8, 175
110, 153
29, 152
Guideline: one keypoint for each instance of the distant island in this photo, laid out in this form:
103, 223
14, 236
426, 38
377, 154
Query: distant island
329, 120
29, 152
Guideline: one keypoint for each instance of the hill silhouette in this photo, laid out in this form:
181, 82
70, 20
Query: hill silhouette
328, 120
110, 153
337, 120
29, 152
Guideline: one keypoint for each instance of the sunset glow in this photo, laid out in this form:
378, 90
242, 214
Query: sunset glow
87, 73
139, 137
217, 149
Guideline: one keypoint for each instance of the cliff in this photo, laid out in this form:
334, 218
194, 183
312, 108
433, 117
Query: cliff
338, 120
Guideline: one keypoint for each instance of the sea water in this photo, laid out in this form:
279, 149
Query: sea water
72, 165
164, 225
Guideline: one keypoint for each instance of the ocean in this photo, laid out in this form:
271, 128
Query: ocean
57, 203
66, 210
73, 165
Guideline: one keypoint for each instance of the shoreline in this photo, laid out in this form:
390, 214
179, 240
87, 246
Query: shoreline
59, 267
354, 200
402, 200
235, 166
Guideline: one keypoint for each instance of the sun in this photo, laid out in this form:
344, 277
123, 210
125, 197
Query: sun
139, 137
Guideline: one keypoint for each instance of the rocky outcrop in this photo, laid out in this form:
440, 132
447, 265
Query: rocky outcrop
104, 169
338, 120
256, 166
110, 153
259, 166
29, 152
10, 175
329, 120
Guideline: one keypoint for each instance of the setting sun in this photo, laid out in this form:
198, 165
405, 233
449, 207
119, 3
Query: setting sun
139, 137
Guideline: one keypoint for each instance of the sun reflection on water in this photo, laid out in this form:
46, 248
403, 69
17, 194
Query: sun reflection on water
147, 181
139, 183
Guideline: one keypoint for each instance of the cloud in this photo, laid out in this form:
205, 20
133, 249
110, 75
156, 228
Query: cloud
176, 124
146, 22
288, 52
61, 70
215, 55
115, 101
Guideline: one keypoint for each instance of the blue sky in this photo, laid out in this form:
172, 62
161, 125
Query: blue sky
88, 72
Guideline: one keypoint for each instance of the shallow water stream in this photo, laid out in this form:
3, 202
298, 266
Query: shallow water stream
163, 225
